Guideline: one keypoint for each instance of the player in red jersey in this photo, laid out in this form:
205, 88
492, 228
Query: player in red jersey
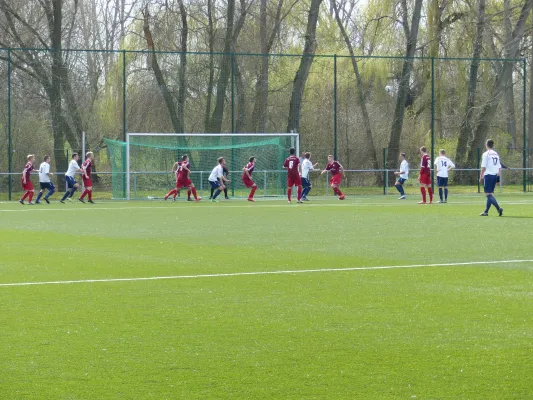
425, 176
247, 178
291, 164
87, 168
27, 185
336, 169
183, 179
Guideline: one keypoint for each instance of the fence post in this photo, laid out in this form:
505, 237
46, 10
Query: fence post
335, 106
478, 165
233, 120
124, 125
201, 183
524, 162
135, 185
265, 182
327, 183
432, 122
10, 139
385, 175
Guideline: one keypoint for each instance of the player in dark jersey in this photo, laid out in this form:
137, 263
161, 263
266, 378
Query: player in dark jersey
87, 168
293, 174
425, 176
336, 169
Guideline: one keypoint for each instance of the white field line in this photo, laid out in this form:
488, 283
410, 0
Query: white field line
281, 272
42, 208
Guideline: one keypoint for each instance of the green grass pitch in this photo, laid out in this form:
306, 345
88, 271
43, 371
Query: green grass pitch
210, 330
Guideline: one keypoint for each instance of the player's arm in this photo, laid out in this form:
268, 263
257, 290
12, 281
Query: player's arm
24, 175
83, 171
451, 166
174, 167
342, 171
247, 172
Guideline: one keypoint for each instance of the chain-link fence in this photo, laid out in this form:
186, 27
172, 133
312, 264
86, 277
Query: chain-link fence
350, 107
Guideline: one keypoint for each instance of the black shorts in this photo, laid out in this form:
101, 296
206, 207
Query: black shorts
47, 185
442, 182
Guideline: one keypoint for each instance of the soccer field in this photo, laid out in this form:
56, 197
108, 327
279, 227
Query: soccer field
371, 298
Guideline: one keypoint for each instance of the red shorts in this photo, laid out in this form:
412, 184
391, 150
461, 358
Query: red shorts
294, 181
335, 179
247, 182
425, 179
28, 186
87, 182
183, 183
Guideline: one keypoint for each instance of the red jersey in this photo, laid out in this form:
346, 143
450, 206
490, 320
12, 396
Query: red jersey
178, 171
88, 165
183, 175
425, 165
291, 163
250, 167
27, 171
334, 168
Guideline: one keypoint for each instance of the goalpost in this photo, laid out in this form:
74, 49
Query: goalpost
149, 156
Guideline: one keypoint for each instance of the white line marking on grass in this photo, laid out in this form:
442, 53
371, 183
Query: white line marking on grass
282, 272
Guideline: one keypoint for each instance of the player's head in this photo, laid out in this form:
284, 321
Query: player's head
30, 158
423, 150
490, 144
331, 158
46, 159
307, 155
221, 161
252, 159
75, 156
442, 152
89, 155
185, 157
402, 157
292, 151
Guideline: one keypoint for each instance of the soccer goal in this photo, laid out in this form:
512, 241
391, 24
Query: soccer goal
141, 166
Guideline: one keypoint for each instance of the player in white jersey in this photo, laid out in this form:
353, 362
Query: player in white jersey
490, 170
217, 178
72, 185
403, 175
443, 165
44, 181
306, 167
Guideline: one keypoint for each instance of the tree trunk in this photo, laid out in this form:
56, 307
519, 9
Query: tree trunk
302, 74
530, 105
509, 90
182, 89
370, 149
403, 90
259, 114
241, 100
465, 131
489, 109
211, 82
215, 125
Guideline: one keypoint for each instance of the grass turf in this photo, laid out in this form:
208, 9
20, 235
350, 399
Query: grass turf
431, 332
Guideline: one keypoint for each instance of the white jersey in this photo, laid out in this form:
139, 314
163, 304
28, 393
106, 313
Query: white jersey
218, 172
404, 167
442, 163
307, 166
73, 167
44, 170
491, 162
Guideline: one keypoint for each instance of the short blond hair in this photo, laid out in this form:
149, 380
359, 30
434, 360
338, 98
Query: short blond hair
30, 156
89, 153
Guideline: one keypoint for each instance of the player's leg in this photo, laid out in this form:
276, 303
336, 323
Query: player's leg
39, 195
226, 193
300, 190
212, 191
399, 188
76, 187
26, 194
430, 192
172, 192
51, 191
252, 192
192, 189
216, 185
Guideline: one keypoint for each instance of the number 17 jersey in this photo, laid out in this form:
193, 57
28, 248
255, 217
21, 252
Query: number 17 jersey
491, 162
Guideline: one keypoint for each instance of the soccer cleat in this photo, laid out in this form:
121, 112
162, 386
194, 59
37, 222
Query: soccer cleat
422, 202
484, 214
402, 197
165, 198
69, 199
62, 201
81, 200
431, 202
214, 200
198, 199
21, 202
227, 198
47, 201
306, 199
210, 197
445, 201
173, 199
37, 202
189, 199
342, 197
300, 202
290, 202
90, 201
250, 199
30, 203
441, 202
500, 212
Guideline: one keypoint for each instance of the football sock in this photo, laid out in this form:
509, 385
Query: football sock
489, 203
39, 196
189, 190
217, 193
172, 192
226, 192
491, 197
399, 189
289, 192
31, 197
446, 194
84, 194
336, 191
73, 190
430, 191
299, 193
65, 195
193, 190
50, 192
25, 195
90, 195
440, 194
252, 192
423, 191
212, 191
340, 193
